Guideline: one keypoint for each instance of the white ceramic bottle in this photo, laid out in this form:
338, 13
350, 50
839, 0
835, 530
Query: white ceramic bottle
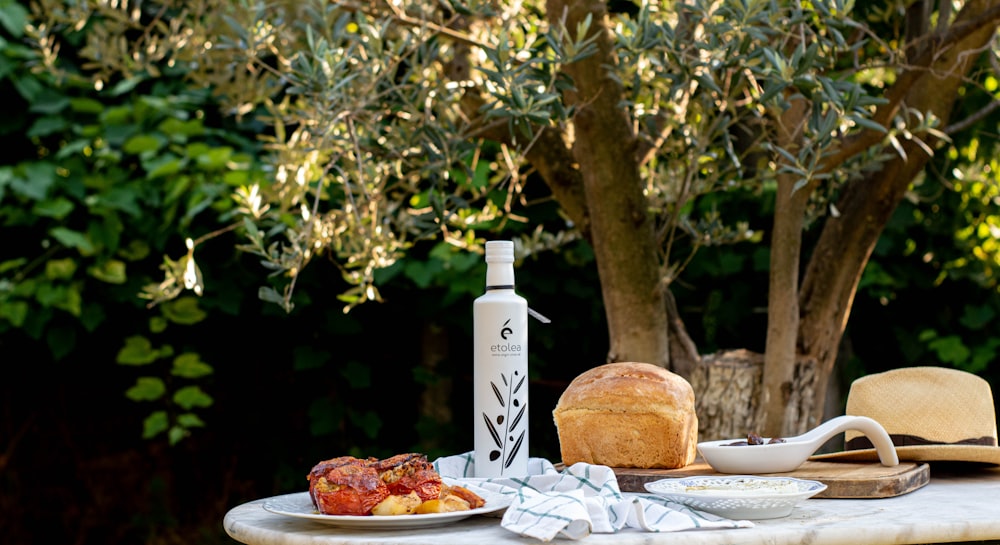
500, 397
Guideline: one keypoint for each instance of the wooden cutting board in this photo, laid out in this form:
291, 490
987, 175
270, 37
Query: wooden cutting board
843, 480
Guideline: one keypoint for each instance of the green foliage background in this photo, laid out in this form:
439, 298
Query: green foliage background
125, 423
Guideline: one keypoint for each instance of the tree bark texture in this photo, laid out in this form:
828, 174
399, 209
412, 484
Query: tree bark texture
783, 285
727, 387
621, 229
846, 242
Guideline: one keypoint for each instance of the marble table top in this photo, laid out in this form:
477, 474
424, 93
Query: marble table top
953, 507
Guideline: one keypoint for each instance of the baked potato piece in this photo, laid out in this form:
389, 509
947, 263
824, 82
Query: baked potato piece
452, 498
445, 504
475, 501
397, 505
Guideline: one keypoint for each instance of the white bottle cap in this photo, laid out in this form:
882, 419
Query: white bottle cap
500, 251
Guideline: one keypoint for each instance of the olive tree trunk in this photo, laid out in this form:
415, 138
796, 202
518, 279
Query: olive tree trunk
783, 282
621, 230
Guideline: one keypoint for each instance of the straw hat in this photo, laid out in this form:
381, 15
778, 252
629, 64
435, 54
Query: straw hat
931, 413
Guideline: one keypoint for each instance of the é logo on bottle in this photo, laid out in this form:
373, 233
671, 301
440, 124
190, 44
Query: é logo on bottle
505, 331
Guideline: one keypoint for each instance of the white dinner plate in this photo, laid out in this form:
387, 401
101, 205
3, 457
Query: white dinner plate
299, 505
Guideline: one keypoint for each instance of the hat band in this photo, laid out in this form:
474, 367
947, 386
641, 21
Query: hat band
901, 440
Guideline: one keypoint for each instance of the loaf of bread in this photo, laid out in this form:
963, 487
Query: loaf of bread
627, 414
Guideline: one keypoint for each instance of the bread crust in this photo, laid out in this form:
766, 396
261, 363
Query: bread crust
628, 414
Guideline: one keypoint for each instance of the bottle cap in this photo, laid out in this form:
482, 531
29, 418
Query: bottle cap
500, 251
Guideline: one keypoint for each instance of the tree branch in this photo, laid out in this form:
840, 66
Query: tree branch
917, 69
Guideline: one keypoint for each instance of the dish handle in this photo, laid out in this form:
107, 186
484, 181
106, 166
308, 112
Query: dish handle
871, 428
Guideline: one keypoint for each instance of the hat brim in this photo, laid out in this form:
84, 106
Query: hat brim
923, 453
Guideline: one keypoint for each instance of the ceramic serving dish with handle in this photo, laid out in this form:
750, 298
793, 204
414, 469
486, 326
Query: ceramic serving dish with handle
730, 456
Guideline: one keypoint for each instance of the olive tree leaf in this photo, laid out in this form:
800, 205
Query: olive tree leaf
13, 18
73, 239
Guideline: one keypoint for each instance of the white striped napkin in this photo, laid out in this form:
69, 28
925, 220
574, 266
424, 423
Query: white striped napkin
580, 500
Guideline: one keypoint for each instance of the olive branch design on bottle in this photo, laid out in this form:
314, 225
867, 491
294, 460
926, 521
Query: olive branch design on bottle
509, 404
